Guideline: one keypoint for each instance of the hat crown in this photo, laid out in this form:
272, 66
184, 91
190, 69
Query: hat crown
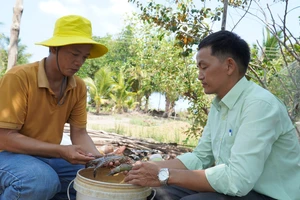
73, 25
74, 29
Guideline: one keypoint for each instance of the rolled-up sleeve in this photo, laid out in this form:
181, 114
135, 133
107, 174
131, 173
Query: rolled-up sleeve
202, 156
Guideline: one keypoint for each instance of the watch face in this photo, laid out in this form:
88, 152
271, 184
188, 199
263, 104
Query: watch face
163, 175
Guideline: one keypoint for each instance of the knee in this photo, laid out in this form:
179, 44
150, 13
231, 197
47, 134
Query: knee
31, 185
42, 183
39, 182
29, 179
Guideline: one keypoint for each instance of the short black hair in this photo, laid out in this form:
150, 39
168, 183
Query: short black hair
226, 43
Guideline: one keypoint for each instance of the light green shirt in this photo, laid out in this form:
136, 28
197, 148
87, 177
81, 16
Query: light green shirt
252, 141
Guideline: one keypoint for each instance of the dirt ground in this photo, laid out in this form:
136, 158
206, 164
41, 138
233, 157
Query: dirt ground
105, 138
109, 120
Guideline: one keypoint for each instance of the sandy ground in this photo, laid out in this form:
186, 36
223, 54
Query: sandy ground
108, 120
102, 120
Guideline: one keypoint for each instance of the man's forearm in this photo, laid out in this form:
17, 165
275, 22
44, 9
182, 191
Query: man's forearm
190, 179
81, 137
13, 141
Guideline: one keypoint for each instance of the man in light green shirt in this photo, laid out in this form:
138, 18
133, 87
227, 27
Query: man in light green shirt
249, 147
253, 143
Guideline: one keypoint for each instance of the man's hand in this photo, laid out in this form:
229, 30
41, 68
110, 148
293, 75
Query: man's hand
104, 157
74, 154
143, 174
118, 151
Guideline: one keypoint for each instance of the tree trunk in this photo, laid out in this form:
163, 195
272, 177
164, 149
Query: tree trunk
167, 107
147, 96
139, 100
223, 26
14, 34
172, 109
97, 108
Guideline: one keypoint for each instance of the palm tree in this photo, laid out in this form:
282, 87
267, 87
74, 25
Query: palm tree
262, 65
121, 94
270, 46
101, 87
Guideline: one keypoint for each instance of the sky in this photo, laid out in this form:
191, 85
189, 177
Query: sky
107, 17
39, 16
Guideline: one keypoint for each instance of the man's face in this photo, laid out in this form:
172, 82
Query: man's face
213, 73
72, 57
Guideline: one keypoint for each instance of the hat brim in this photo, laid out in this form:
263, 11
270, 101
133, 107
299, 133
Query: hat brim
96, 51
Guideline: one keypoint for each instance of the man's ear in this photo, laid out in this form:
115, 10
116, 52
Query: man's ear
231, 66
53, 50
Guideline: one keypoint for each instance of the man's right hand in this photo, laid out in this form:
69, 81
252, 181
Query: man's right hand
74, 154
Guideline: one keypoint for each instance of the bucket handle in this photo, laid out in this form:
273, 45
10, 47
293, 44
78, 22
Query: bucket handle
154, 194
68, 189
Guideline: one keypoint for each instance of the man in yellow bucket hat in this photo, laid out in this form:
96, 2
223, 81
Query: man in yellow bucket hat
39, 98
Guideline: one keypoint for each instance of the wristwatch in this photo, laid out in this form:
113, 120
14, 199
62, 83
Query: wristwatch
163, 176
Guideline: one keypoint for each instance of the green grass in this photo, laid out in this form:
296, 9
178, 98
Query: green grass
143, 122
144, 126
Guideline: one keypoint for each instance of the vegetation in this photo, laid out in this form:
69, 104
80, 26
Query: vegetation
100, 88
22, 57
145, 127
271, 60
154, 53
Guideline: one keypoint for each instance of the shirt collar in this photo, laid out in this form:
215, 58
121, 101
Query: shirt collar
43, 80
233, 95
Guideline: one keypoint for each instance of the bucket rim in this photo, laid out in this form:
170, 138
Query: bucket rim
105, 183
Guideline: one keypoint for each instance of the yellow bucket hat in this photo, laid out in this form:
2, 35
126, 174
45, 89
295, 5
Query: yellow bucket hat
74, 29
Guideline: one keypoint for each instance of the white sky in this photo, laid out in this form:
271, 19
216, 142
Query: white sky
107, 16
39, 17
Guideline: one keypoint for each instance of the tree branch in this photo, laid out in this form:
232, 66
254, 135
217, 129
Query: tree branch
242, 16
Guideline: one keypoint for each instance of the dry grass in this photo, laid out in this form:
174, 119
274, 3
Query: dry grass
143, 126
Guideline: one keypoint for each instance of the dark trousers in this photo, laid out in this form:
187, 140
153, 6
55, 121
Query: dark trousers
179, 193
